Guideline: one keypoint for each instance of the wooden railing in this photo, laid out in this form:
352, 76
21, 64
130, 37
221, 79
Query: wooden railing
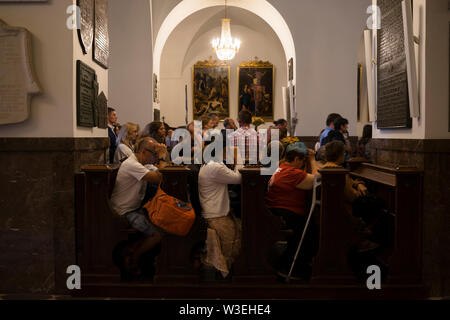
98, 230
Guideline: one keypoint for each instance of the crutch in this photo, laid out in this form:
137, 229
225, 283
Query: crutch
317, 182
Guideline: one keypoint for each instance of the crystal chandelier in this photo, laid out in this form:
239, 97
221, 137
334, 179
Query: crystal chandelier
225, 47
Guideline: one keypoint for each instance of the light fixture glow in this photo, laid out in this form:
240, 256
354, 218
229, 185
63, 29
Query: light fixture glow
226, 47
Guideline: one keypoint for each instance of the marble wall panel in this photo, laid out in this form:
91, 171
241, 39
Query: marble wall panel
37, 219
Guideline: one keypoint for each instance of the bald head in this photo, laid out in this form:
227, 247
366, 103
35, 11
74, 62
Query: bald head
146, 143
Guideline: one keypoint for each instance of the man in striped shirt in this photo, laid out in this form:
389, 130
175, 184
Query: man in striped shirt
245, 138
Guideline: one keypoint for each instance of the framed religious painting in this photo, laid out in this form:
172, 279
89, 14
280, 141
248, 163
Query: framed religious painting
210, 85
255, 88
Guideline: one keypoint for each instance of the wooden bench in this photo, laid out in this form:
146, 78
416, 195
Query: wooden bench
402, 190
98, 230
174, 263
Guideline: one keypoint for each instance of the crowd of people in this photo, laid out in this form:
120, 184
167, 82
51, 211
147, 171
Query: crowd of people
142, 154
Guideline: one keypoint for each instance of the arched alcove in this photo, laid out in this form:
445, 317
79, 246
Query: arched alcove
190, 42
261, 8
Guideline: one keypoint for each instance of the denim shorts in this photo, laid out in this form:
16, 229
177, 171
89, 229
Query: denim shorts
138, 220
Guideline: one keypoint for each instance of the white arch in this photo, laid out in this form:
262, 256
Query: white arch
262, 8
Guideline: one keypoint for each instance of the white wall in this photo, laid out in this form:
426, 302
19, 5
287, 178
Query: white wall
160, 9
51, 112
327, 36
437, 64
55, 50
130, 72
265, 45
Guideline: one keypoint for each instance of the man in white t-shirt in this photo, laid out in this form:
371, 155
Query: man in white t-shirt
129, 191
223, 235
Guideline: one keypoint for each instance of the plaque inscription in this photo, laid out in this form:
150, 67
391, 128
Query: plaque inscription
101, 35
87, 89
86, 30
393, 100
17, 79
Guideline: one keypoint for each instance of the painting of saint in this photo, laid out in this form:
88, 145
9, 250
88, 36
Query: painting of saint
210, 89
255, 87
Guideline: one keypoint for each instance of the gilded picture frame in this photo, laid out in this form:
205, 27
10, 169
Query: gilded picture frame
210, 89
256, 80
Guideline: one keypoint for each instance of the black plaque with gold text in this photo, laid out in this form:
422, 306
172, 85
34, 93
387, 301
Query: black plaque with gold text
86, 28
87, 89
101, 35
393, 101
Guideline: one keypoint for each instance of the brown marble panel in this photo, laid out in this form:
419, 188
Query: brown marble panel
37, 220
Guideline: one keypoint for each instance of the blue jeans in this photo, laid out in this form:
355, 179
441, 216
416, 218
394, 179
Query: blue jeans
138, 220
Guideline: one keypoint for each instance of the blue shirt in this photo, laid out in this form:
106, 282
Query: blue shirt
324, 134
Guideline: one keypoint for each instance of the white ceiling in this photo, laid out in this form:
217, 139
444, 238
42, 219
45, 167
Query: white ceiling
203, 21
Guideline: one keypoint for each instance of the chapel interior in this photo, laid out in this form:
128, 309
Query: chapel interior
56, 178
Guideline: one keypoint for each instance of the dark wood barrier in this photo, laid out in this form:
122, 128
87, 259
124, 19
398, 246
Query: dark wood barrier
330, 265
174, 264
97, 228
260, 230
402, 190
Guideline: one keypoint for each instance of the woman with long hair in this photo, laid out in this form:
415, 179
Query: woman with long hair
125, 141
155, 130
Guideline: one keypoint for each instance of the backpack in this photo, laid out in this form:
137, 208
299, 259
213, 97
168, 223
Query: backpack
170, 214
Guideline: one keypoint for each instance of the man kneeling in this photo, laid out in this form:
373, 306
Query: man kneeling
129, 192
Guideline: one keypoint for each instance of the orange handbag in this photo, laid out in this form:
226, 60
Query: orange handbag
170, 214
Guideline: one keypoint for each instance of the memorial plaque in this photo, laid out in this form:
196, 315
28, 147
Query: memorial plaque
17, 79
102, 111
87, 90
86, 29
101, 35
393, 100
291, 68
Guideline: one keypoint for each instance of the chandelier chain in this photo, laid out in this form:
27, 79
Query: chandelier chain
225, 9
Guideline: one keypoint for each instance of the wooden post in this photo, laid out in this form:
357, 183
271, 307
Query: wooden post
331, 264
260, 230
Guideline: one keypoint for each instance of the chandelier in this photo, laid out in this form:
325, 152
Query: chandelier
226, 47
